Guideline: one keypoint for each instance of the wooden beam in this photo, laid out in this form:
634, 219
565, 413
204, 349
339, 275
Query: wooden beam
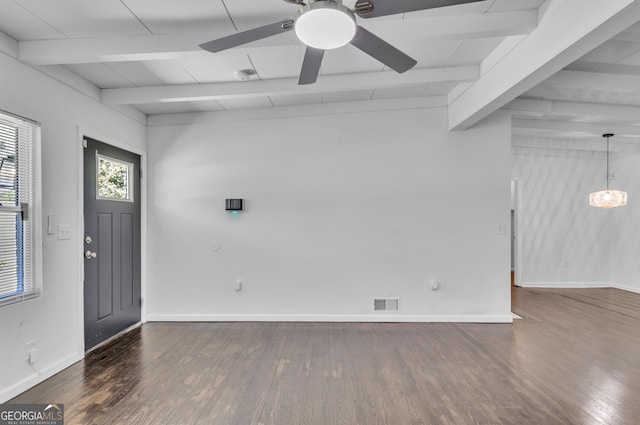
568, 30
157, 47
246, 89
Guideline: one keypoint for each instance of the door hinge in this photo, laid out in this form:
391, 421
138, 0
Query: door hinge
85, 144
140, 301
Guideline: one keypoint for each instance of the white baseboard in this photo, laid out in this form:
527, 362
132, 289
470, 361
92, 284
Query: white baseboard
565, 284
507, 318
569, 285
37, 377
625, 288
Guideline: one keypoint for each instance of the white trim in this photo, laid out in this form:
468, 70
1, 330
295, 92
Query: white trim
37, 377
38, 273
34, 206
580, 285
506, 318
80, 238
566, 285
425, 102
635, 290
517, 264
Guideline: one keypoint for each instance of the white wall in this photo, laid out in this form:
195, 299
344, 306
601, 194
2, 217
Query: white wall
563, 241
340, 208
54, 320
625, 258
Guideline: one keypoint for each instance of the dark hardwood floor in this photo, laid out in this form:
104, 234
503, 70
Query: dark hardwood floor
573, 359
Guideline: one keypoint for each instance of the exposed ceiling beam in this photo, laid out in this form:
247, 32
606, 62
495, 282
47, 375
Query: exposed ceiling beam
593, 81
72, 80
553, 45
156, 47
587, 110
286, 86
8, 45
530, 107
316, 109
572, 129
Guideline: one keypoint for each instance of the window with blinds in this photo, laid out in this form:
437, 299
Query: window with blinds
19, 227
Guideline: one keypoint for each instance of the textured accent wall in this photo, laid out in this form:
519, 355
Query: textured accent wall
562, 241
625, 259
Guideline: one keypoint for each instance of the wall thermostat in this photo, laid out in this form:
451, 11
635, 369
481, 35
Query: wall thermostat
233, 205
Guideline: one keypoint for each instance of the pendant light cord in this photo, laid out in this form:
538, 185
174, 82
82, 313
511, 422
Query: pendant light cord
607, 176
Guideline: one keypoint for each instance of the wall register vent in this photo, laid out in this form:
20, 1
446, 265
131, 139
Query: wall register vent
386, 304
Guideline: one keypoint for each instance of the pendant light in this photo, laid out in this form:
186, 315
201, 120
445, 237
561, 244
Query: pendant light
608, 198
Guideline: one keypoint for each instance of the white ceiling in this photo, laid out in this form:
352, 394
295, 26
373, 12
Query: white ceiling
144, 54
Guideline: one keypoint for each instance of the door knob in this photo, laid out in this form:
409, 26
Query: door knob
89, 255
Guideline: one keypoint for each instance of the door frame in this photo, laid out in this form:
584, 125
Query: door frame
85, 132
515, 206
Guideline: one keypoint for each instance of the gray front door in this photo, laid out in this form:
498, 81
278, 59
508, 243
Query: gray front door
112, 297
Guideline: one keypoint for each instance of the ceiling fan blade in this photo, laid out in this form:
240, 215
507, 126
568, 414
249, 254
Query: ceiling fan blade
379, 49
311, 65
373, 8
245, 37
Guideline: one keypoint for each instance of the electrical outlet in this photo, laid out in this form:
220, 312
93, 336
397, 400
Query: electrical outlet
33, 356
31, 349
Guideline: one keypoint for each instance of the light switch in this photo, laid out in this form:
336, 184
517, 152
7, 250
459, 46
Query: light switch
51, 224
501, 229
64, 232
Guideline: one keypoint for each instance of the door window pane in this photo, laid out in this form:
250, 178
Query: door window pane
114, 179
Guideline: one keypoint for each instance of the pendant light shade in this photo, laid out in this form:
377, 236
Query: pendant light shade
608, 198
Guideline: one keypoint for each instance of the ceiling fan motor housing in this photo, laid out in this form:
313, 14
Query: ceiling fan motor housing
325, 24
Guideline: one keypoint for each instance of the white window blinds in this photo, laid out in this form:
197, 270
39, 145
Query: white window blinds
19, 227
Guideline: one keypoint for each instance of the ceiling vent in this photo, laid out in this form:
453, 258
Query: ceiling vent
386, 304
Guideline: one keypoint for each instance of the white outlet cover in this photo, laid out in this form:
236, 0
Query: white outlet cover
64, 232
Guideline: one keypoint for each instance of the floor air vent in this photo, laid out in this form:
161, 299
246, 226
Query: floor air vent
386, 304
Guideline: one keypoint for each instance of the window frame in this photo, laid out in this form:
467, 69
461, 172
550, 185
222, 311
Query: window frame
27, 211
129, 183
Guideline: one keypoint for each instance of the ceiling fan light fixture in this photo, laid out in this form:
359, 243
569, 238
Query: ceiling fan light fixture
325, 25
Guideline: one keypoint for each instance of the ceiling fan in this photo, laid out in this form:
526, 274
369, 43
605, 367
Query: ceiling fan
327, 24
